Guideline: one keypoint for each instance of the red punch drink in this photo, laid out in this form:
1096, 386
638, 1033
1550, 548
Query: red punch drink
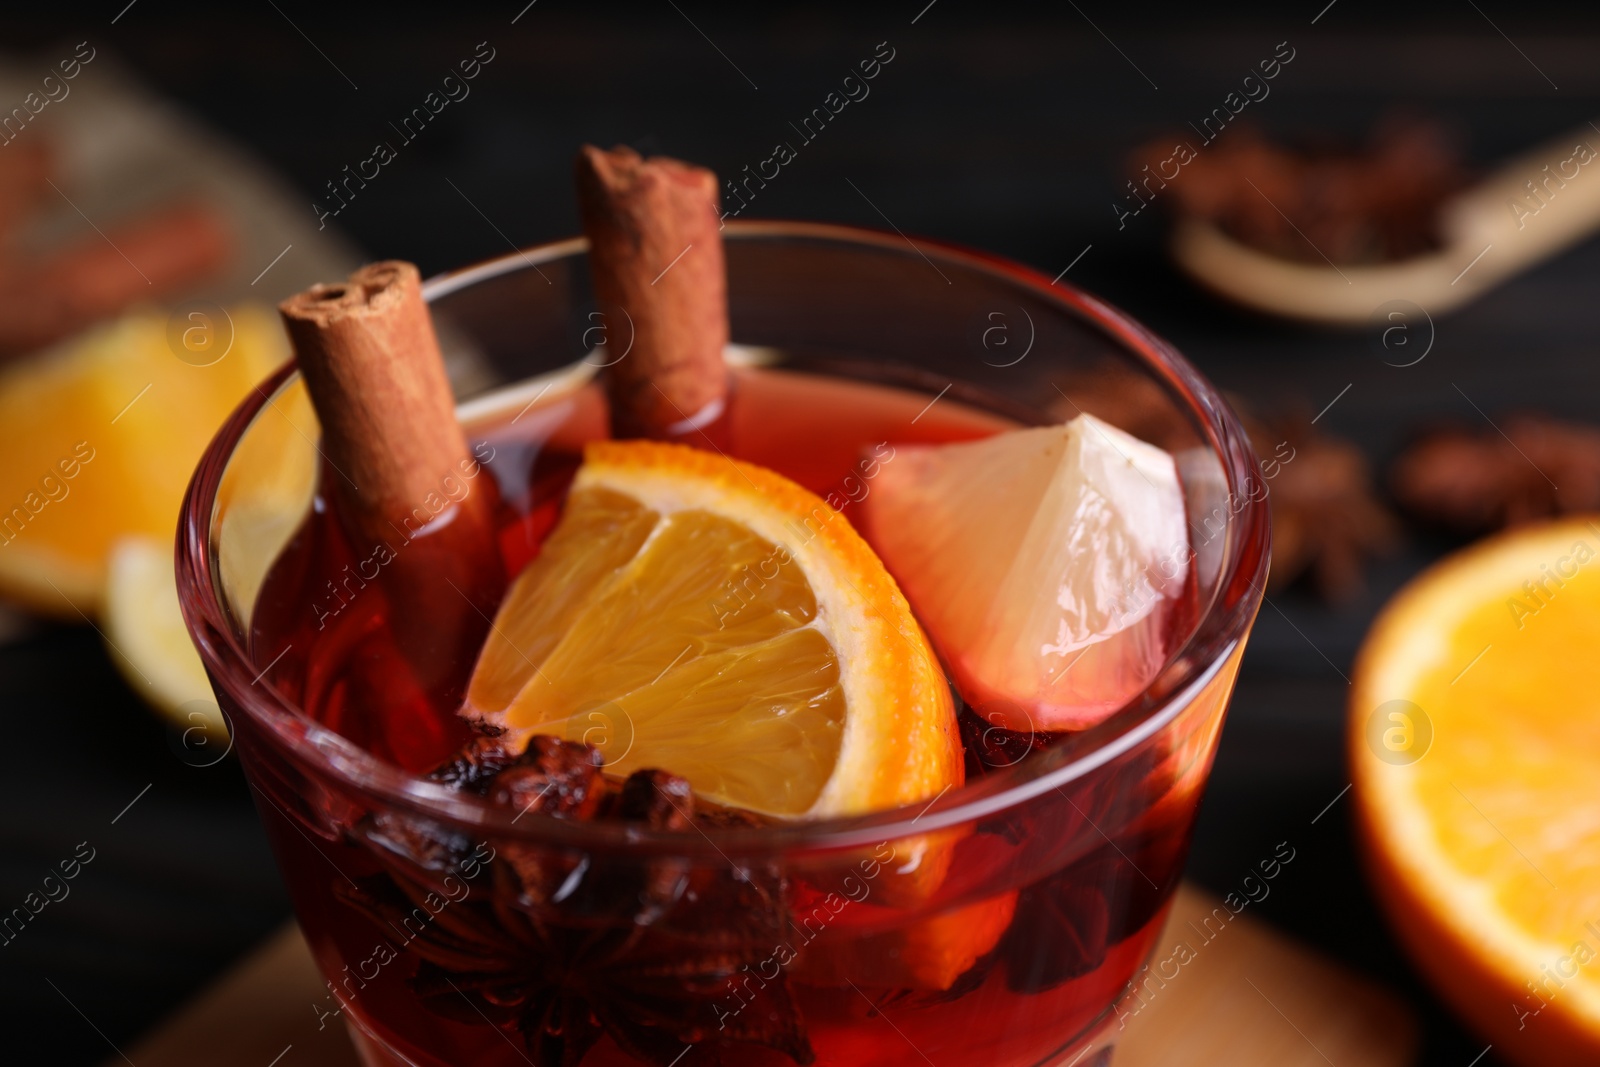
555, 880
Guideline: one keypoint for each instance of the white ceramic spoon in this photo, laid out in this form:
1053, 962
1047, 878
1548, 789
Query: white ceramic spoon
1487, 238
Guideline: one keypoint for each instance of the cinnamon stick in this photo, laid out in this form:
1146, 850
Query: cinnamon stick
655, 251
26, 168
97, 277
411, 495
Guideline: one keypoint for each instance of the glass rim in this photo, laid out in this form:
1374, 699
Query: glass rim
1221, 628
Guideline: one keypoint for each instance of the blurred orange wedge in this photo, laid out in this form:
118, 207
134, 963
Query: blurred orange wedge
713, 619
98, 438
149, 642
1474, 741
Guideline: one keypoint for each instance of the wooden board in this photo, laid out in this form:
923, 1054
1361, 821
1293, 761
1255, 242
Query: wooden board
1251, 996
1247, 996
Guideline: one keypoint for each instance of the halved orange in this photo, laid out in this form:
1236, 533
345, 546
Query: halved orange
711, 618
1474, 740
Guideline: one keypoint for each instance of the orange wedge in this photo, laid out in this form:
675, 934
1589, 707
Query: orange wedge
98, 438
1474, 741
711, 618
145, 631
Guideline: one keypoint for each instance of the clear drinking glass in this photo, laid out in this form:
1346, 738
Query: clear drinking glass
998, 925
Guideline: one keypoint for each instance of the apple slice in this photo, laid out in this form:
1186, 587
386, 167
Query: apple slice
1046, 564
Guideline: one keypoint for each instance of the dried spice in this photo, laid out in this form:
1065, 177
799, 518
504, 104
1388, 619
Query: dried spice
1380, 202
1071, 917
989, 746
50, 291
1080, 912
1327, 520
1065, 924
1468, 482
566, 947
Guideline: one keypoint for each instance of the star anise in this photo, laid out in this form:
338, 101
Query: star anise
1327, 520
1377, 202
564, 947
1531, 467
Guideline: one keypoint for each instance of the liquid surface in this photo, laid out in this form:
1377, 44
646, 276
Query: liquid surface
332, 623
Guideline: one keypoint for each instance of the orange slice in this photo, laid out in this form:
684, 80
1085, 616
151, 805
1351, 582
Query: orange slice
98, 438
1046, 564
1474, 740
708, 617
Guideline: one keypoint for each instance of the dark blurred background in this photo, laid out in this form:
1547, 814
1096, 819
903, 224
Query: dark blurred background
999, 126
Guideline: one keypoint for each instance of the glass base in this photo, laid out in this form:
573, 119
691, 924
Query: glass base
1095, 1051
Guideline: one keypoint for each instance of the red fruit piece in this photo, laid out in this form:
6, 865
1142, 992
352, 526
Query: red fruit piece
1046, 564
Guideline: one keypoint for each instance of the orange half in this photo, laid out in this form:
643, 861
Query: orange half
1474, 741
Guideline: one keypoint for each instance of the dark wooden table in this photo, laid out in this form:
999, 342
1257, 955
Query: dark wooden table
1004, 131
